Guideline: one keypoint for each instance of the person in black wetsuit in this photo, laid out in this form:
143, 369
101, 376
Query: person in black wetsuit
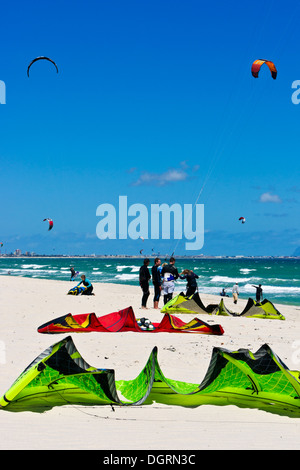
259, 292
73, 272
87, 284
156, 280
190, 277
144, 277
169, 274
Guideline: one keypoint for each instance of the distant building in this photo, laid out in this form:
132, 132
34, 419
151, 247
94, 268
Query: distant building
18, 252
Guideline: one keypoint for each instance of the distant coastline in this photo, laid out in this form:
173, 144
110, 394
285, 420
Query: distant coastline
123, 256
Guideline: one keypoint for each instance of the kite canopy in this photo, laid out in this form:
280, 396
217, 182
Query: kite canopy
242, 219
257, 65
124, 320
264, 309
41, 58
60, 376
193, 304
50, 223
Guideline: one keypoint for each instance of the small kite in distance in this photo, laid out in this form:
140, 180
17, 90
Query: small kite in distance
41, 58
243, 220
257, 65
50, 223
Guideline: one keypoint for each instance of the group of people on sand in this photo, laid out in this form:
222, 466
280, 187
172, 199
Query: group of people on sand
163, 279
235, 293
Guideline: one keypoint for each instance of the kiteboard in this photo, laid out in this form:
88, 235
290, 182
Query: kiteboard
75, 275
77, 290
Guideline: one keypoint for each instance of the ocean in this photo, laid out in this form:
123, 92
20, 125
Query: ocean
280, 278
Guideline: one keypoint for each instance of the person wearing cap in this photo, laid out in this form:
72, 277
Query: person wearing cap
235, 293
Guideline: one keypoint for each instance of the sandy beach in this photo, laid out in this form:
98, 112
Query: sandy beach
27, 303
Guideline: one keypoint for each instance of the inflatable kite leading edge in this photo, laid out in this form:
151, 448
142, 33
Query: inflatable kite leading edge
60, 376
124, 320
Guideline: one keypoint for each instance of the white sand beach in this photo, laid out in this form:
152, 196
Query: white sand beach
26, 303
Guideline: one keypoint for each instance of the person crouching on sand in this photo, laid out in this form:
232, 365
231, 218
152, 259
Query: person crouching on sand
87, 284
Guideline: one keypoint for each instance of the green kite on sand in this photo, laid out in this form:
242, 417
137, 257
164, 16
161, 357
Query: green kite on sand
60, 376
193, 304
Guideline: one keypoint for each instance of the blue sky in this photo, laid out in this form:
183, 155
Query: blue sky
155, 101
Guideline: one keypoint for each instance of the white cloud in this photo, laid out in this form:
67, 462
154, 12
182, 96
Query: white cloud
268, 197
160, 179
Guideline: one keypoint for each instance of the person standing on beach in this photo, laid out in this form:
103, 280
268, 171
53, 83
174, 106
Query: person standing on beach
156, 280
144, 277
72, 273
190, 277
235, 293
259, 292
169, 274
